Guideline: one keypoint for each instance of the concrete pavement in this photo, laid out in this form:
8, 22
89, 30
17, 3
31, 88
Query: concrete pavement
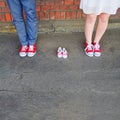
47, 88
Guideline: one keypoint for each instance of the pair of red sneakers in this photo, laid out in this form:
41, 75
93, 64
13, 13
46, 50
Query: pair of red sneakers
29, 50
92, 49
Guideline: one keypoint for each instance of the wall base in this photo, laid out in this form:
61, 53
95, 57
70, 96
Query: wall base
58, 26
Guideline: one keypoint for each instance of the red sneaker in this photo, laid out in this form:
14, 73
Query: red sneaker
89, 49
31, 50
97, 49
23, 51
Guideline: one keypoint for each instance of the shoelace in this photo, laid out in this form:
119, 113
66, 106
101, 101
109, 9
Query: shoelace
89, 47
97, 46
24, 48
31, 47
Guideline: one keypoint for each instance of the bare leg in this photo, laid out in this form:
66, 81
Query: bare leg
101, 27
89, 27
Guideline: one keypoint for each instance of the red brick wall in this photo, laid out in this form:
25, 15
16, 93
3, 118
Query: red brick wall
50, 10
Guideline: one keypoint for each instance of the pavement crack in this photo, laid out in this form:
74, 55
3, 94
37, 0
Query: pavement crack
103, 92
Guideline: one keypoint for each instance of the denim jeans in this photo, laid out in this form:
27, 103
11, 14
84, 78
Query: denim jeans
26, 29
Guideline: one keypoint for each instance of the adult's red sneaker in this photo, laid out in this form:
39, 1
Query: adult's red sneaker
31, 50
88, 49
97, 49
23, 51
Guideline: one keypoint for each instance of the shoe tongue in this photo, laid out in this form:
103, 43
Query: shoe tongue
24, 47
97, 46
31, 46
90, 46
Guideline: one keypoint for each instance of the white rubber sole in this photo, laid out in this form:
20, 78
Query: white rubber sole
89, 54
65, 56
59, 55
31, 54
22, 54
97, 54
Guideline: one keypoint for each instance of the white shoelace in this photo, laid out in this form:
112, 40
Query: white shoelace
24, 47
31, 47
90, 46
97, 46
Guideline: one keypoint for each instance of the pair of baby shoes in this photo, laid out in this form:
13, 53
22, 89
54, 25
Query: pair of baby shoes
62, 53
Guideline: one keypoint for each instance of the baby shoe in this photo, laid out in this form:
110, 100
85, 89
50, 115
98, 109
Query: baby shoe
64, 53
59, 52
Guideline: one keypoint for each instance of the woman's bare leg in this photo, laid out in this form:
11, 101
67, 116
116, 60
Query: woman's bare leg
101, 27
89, 27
